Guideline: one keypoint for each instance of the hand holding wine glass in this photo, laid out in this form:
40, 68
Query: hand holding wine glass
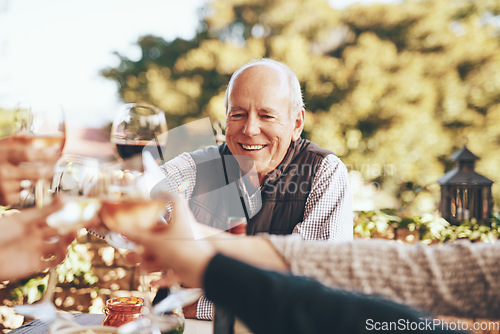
37, 128
76, 180
19, 258
37, 163
127, 205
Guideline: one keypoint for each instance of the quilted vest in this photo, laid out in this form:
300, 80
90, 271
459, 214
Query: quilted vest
284, 191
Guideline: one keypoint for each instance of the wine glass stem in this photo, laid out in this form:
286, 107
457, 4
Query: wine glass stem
145, 288
51, 286
40, 193
144, 285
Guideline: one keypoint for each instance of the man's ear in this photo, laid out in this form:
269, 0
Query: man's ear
299, 124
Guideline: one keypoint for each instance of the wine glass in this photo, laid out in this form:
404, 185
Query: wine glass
75, 179
39, 126
127, 203
139, 127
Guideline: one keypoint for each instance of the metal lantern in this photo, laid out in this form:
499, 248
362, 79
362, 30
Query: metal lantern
465, 194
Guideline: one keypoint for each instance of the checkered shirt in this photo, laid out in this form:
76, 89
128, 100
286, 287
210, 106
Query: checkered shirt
328, 208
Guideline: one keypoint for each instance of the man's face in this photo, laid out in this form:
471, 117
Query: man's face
258, 123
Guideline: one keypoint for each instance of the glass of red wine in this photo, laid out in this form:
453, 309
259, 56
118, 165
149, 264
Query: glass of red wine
139, 127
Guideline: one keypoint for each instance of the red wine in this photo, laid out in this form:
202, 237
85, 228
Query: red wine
128, 149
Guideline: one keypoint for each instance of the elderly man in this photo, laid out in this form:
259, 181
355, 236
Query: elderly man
299, 187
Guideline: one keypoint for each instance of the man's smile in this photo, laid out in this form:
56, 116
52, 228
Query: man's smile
252, 147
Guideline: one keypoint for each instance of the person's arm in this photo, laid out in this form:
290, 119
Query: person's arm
272, 302
328, 209
257, 251
452, 279
431, 278
268, 301
458, 278
254, 250
180, 172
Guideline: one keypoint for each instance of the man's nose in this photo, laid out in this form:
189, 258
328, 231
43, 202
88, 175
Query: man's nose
252, 126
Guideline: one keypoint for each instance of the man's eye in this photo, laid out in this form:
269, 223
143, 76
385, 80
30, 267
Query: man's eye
236, 115
266, 116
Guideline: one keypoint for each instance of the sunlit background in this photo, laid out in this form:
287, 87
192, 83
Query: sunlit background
55, 49
394, 88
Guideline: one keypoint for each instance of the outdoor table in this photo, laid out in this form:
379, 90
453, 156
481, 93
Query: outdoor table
38, 327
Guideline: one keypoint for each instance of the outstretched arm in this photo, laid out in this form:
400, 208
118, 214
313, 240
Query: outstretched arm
272, 302
457, 278
267, 301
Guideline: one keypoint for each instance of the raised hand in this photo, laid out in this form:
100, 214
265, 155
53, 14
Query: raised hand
174, 246
15, 159
24, 245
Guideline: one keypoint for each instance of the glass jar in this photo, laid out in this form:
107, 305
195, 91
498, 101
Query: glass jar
121, 310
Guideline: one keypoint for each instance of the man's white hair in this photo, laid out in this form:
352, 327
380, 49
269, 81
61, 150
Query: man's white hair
294, 91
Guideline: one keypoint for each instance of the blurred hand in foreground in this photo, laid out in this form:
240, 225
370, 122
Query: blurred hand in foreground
26, 245
12, 170
173, 246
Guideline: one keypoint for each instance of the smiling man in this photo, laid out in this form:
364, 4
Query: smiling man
297, 186
262, 120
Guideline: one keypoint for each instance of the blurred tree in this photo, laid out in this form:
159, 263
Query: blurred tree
392, 89
7, 122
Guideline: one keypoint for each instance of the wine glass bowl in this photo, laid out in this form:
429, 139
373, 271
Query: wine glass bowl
137, 127
127, 205
126, 202
75, 180
40, 128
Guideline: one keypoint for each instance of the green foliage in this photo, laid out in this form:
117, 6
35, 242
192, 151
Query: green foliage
391, 85
7, 122
32, 289
369, 223
428, 228
76, 267
75, 270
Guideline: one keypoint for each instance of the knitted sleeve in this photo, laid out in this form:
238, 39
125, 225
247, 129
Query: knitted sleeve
457, 279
